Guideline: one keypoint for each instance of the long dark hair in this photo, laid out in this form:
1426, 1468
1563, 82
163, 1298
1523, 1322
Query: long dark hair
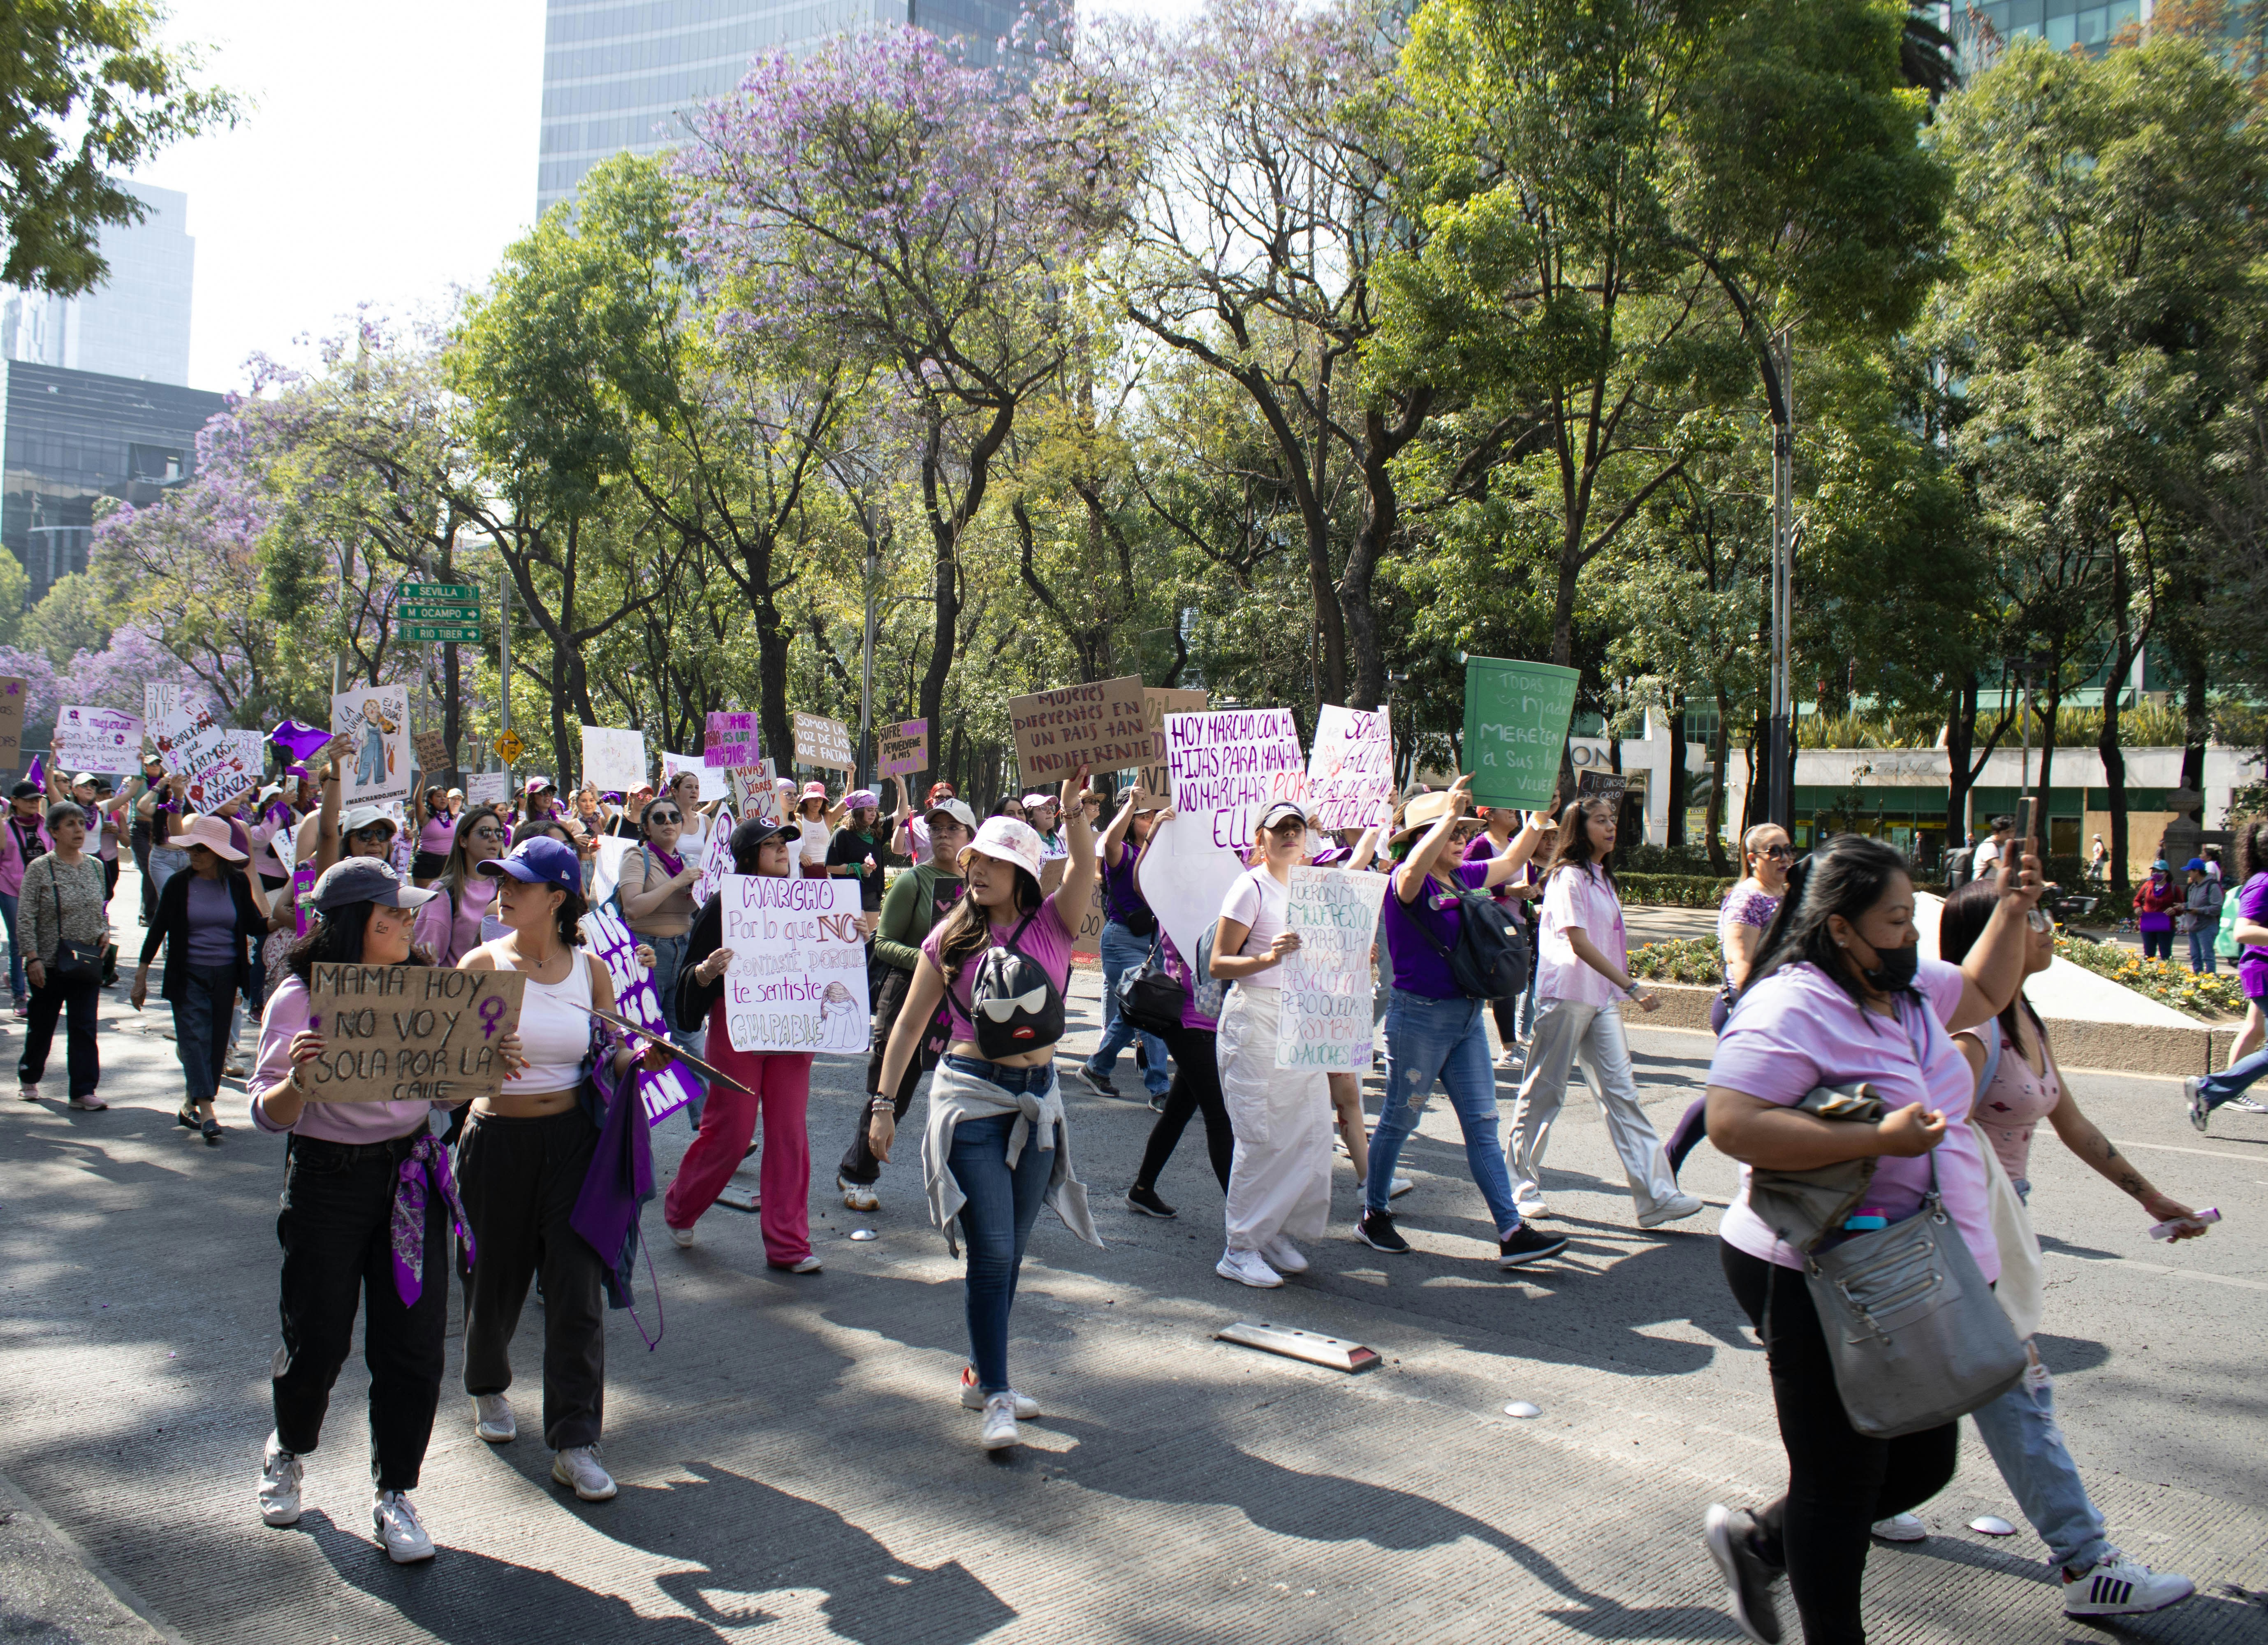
455, 872
968, 928
2251, 848
1573, 848
1847, 876
336, 938
1967, 912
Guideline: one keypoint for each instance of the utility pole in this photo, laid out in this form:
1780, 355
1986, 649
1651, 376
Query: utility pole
866, 664
1780, 803
504, 633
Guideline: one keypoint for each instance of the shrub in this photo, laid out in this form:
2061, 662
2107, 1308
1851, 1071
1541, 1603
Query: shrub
1672, 890
2217, 995
1679, 960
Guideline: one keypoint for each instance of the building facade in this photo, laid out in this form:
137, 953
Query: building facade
136, 323
70, 437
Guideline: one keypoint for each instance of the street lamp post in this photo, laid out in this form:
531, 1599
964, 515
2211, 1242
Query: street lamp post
1780, 791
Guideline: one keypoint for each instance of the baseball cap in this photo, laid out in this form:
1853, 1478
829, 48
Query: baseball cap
83, 777
365, 879
364, 816
541, 860
1029, 800
1004, 839
537, 781
957, 809
752, 834
1282, 811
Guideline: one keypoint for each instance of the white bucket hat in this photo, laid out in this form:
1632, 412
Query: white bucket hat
1004, 839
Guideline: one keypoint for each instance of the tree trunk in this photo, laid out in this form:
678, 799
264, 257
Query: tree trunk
1720, 764
1752, 801
1960, 739
2199, 729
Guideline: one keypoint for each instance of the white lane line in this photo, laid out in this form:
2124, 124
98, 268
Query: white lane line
2159, 1267
2203, 1154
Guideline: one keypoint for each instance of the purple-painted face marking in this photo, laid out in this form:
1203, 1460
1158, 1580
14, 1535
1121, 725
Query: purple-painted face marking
491, 1008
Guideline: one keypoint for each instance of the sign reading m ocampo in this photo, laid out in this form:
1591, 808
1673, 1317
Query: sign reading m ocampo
410, 1033
1102, 726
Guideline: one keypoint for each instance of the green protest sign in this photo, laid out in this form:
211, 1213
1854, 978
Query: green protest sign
1516, 720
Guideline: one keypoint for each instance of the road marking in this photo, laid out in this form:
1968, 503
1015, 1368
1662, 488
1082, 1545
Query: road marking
2203, 1154
2159, 1267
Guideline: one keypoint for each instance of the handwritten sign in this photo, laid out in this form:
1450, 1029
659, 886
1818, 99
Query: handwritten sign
410, 1033
1327, 979
11, 720
797, 979
754, 794
251, 753
730, 740
1516, 720
1157, 701
487, 788
1350, 770
904, 748
208, 757
1086, 936
376, 718
714, 783
613, 758
1228, 767
820, 741
432, 753
1101, 724
605, 935
97, 739
715, 857
159, 700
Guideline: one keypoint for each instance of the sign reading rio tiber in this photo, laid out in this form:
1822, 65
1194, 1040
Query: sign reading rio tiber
410, 1033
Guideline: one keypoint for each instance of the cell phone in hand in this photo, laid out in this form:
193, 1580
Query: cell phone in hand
2024, 825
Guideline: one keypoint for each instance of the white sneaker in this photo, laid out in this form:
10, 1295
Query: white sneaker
972, 1396
279, 1484
399, 1533
1284, 1255
579, 1466
680, 1237
1398, 1187
492, 1419
1901, 1528
858, 1196
999, 1422
1531, 1209
808, 1264
1675, 1210
2120, 1586
1247, 1267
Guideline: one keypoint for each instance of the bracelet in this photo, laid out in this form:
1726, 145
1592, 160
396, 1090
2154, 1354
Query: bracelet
879, 1104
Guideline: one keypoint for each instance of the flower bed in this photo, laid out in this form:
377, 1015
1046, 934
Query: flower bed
1678, 959
2215, 996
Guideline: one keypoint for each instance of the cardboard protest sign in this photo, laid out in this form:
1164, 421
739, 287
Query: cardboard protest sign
729, 739
377, 716
613, 758
714, 783
209, 758
753, 793
1327, 979
1087, 935
1185, 879
487, 788
1516, 720
797, 979
98, 739
903, 749
1228, 767
715, 857
1100, 725
604, 934
822, 742
11, 720
1350, 770
432, 753
410, 1033
1157, 701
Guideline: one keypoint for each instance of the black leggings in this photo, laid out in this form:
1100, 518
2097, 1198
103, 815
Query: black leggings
1196, 1086
1839, 1482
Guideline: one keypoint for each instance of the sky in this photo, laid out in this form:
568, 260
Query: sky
387, 158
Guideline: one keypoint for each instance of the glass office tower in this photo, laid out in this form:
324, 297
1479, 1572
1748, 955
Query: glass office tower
137, 322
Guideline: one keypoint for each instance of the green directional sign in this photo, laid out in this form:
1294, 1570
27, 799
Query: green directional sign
434, 611
442, 591
439, 634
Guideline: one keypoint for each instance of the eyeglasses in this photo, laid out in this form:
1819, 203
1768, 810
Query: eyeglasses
663, 816
488, 833
1774, 851
2039, 919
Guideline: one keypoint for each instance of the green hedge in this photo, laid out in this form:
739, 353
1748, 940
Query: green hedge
1672, 890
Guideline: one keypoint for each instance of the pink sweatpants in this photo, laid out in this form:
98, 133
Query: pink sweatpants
782, 1083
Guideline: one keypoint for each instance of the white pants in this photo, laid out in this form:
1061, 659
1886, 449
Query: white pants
1279, 1178
1563, 1030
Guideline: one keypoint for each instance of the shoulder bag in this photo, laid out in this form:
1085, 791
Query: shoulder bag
1151, 997
74, 963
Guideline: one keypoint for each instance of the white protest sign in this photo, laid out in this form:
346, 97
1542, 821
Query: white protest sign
715, 857
613, 758
1327, 979
1351, 771
488, 788
604, 934
98, 739
1185, 881
207, 756
251, 749
714, 783
797, 979
376, 718
158, 701
1228, 766
607, 866
754, 794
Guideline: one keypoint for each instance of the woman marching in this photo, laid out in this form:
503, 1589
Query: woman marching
657, 885
207, 919
1741, 920
1196, 1048
368, 1205
449, 925
997, 1145
1127, 937
63, 928
2247, 1057
814, 822
521, 1165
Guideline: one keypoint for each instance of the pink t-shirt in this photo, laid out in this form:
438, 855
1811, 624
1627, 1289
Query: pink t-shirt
1796, 1030
450, 941
2010, 1109
1046, 942
333, 1122
1579, 898
434, 837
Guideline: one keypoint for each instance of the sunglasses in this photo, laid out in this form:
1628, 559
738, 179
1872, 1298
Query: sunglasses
487, 833
663, 816
1780, 852
373, 835
2038, 919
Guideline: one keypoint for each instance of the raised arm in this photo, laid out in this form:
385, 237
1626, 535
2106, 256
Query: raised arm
1994, 968
1114, 838
1409, 878
1078, 887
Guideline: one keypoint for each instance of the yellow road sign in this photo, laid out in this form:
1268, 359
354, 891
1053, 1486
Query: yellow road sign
509, 747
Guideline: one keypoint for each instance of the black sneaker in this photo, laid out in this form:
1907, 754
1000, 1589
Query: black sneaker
1145, 1200
1376, 1230
1525, 1245
1731, 1534
1094, 1081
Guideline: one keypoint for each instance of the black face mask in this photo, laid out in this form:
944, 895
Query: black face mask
1894, 969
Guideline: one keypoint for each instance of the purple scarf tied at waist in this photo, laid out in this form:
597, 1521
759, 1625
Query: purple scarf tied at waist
428, 1161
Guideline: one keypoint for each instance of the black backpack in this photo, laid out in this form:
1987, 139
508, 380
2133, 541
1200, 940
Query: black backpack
1490, 959
1013, 1004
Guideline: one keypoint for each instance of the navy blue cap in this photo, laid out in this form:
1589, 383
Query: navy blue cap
540, 861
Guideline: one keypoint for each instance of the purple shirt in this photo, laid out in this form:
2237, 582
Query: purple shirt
1417, 968
1120, 894
333, 1122
1796, 1030
212, 922
2252, 961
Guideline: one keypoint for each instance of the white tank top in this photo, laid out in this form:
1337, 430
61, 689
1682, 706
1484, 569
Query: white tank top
554, 1027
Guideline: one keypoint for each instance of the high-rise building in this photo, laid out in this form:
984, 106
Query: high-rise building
137, 322
617, 73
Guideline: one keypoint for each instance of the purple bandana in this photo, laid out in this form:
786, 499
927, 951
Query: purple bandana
428, 1161
675, 865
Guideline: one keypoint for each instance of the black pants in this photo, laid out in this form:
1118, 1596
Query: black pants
1839, 1482
77, 1003
141, 867
1195, 1088
519, 1179
336, 1230
859, 1164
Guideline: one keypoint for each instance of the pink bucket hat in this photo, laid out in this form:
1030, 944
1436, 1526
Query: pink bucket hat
211, 833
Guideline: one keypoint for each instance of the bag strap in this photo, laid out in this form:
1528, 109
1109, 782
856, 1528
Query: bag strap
1408, 912
1991, 1061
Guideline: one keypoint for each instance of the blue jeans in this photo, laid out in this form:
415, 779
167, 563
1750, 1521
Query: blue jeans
1121, 952
2020, 1430
2234, 1080
17, 989
668, 960
1445, 1040
995, 1223
200, 1027
2201, 955
2158, 945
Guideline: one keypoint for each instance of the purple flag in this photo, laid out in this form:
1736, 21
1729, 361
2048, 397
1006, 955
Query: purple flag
38, 773
298, 741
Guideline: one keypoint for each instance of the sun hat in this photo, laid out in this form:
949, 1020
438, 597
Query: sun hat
1423, 812
365, 879
814, 790
541, 860
957, 809
1004, 839
210, 832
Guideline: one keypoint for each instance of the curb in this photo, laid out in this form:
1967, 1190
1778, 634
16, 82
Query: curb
119, 1628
